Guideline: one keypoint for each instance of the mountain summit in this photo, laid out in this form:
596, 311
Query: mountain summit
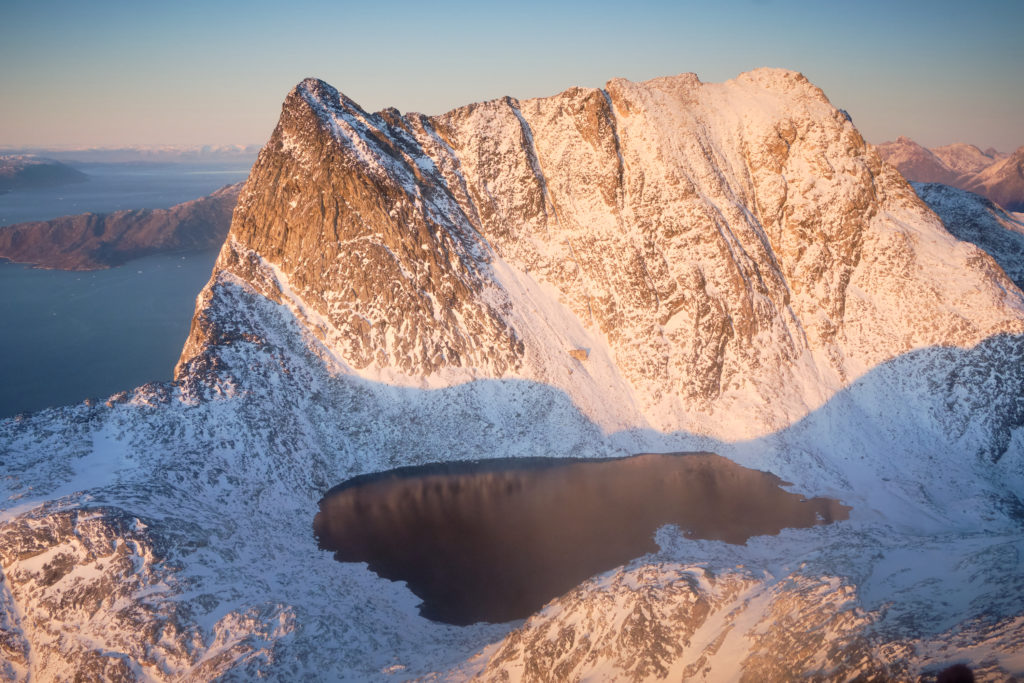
650, 267
719, 248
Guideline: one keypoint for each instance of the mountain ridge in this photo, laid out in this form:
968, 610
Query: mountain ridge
995, 175
434, 187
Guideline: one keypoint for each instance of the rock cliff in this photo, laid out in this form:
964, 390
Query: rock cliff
724, 247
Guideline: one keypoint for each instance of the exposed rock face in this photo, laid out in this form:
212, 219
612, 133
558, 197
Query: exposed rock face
720, 254
670, 622
1000, 177
746, 277
91, 241
25, 171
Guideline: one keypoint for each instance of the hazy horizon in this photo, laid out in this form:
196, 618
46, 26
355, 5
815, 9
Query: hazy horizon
115, 74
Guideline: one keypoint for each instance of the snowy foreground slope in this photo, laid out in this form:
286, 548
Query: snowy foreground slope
657, 266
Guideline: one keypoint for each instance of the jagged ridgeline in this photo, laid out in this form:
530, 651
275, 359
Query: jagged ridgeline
720, 247
646, 268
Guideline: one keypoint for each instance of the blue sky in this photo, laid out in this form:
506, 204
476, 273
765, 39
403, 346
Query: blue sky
128, 73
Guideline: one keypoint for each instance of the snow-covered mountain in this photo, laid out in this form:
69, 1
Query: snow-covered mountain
1003, 181
973, 218
997, 176
659, 266
963, 158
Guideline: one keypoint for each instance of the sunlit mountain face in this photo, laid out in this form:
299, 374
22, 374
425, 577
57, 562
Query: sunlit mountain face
648, 268
998, 176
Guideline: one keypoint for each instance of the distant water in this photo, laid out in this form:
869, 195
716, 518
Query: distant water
496, 540
112, 187
67, 336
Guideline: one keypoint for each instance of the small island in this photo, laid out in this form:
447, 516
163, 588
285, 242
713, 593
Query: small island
27, 171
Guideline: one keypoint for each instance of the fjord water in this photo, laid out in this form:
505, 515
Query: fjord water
67, 336
495, 540
113, 187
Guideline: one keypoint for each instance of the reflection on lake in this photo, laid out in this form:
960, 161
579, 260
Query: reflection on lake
495, 540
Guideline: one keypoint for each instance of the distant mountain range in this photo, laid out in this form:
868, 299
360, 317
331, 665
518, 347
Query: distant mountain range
24, 171
91, 241
992, 174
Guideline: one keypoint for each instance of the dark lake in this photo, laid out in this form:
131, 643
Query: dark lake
495, 540
67, 336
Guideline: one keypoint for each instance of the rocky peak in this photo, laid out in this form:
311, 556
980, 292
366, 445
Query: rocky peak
356, 222
626, 269
715, 242
963, 158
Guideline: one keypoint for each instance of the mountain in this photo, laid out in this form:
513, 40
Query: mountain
98, 240
918, 163
21, 171
1002, 182
1000, 177
650, 267
965, 159
972, 218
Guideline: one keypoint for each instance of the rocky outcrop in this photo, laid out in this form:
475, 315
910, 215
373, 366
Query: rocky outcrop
26, 171
91, 241
997, 176
671, 622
